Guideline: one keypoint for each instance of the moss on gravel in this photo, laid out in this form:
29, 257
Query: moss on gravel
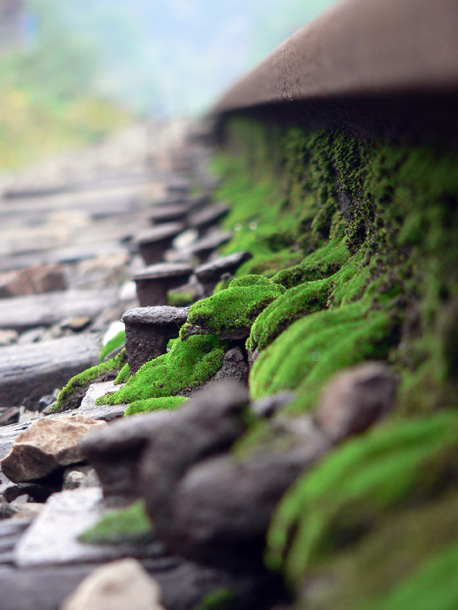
129, 525
71, 394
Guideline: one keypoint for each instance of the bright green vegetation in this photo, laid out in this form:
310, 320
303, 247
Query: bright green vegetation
117, 341
188, 364
234, 308
378, 506
180, 299
155, 404
70, 395
221, 599
123, 374
372, 229
129, 525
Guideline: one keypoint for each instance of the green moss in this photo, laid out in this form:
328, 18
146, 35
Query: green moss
114, 343
294, 304
434, 585
129, 525
180, 299
71, 394
155, 404
344, 497
188, 364
123, 374
315, 347
221, 599
232, 309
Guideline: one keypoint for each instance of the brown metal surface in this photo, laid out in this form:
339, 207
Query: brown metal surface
358, 48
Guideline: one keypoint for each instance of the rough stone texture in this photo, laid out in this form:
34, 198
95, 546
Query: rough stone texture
234, 366
7, 337
45, 447
52, 539
211, 273
355, 399
152, 243
22, 313
148, 330
28, 372
116, 451
32, 280
155, 281
118, 585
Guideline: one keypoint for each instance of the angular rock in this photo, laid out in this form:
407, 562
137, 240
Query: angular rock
270, 405
117, 585
9, 416
148, 330
28, 372
32, 280
155, 281
355, 399
46, 446
116, 451
203, 248
88, 408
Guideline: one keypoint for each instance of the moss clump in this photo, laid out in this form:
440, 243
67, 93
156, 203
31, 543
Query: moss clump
129, 525
294, 304
123, 374
70, 396
234, 309
221, 599
189, 364
114, 343
155, 404
312, 349
180, 299
345, 496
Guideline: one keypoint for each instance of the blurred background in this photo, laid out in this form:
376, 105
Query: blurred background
72, 71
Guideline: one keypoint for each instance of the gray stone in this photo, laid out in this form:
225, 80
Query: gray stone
27, 372
115, 451
80, 476
155, 281
9, 416
46, 446
148, 330
32, 280
355, 399
168, 212
117, 585
88, 408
